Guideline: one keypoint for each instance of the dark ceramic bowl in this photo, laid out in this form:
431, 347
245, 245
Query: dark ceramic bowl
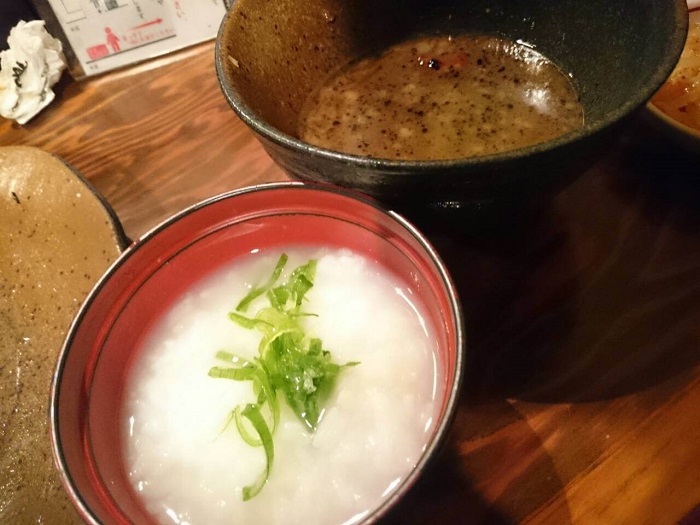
58, 236
87, 418
617, 52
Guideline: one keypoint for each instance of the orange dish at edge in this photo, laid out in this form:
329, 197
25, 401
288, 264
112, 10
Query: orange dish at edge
679, 97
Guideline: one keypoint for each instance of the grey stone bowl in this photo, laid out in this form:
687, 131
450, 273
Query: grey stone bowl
271, 55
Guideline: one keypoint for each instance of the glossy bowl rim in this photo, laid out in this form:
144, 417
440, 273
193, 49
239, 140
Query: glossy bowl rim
442, 429
398, 168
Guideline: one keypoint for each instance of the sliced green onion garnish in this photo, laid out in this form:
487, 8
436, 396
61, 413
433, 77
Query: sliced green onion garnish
237, 374
252, 413
222, 355
257, 292
251, 440
289, 362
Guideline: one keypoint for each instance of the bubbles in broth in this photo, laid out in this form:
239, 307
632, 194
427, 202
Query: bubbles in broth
442, 98
376, 424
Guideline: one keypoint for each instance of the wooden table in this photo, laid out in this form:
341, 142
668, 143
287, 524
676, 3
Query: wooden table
582, 395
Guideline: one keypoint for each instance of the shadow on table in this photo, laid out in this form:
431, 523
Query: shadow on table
494, 470
591, 296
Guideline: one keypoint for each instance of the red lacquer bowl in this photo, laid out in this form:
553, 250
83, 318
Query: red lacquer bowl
87, 389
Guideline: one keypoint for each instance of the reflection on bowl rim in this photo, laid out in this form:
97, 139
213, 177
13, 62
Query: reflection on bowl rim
451, 395
273, 134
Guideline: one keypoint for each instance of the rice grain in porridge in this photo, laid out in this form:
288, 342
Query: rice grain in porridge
375, 428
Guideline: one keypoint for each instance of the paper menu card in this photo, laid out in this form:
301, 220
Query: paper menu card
108, 34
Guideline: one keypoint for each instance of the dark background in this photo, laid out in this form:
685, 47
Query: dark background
11, 12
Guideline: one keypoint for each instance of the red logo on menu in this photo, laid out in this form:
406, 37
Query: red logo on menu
98, 51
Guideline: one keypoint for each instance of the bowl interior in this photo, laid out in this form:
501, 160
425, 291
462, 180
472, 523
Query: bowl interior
150, 276
273, 54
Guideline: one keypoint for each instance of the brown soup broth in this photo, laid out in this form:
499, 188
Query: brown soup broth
442, 98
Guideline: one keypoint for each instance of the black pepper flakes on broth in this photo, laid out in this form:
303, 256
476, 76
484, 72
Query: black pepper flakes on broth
442, 98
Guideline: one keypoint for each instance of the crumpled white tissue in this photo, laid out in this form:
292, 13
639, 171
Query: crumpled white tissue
28, 70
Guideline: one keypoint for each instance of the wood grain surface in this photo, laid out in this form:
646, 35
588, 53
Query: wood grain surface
582, 395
